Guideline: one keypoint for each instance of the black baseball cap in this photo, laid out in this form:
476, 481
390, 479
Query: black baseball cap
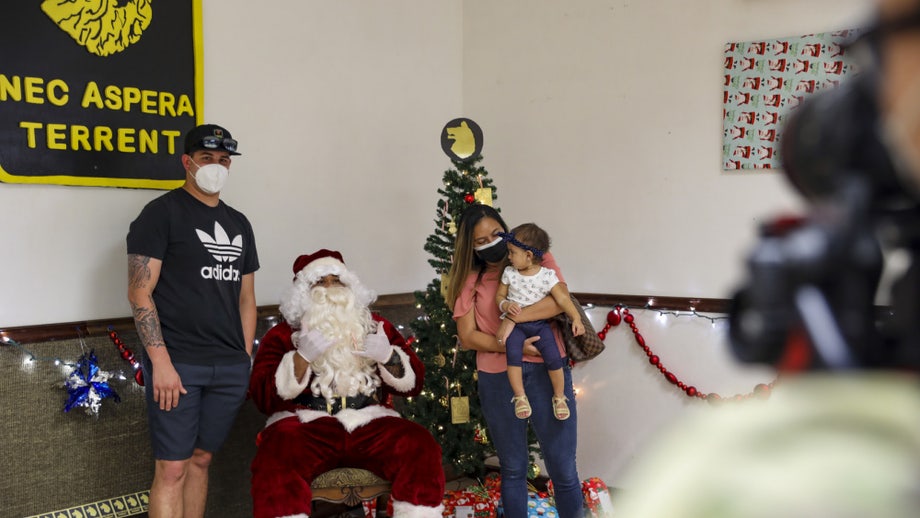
209, 136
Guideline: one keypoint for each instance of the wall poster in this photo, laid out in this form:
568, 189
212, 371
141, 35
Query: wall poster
98, 92
763, 81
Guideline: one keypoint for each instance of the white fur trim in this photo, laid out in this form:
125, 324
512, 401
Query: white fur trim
407, 381
407, 510
350, 418
288, 385
320, 268
298, 515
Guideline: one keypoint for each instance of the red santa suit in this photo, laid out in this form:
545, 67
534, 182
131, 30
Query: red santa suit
308, 433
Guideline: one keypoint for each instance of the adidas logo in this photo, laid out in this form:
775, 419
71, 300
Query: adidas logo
224, 251
220, 246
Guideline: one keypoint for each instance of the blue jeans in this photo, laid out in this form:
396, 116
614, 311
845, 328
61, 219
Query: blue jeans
558, 439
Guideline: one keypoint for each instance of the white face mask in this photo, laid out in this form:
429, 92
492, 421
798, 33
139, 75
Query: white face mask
211, 178
899, 133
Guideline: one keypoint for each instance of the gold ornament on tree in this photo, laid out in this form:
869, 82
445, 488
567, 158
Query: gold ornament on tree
459, 406
461, 139
483, 194
440, 360
533, 471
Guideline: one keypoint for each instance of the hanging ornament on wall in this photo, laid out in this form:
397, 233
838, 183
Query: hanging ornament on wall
128, 355
461, 139
622, 313
87, 385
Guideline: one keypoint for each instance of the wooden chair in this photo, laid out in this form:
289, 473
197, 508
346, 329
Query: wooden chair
350, 487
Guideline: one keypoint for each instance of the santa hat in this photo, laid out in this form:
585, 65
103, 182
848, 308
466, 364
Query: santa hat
308, 270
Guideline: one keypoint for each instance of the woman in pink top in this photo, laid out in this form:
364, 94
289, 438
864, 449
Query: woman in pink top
480, 256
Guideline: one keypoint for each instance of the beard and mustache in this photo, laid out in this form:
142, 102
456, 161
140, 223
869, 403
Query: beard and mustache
338, 371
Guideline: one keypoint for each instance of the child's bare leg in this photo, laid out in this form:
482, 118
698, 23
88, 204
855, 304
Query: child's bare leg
560, 403
522, 408
516, 379
558, 380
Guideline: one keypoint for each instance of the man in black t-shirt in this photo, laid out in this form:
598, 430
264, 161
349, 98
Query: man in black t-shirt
191, 267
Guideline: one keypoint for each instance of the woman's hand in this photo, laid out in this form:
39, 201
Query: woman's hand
529, 348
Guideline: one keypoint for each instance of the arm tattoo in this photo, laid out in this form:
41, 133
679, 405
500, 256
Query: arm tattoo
147, 322
146, 319
138, 270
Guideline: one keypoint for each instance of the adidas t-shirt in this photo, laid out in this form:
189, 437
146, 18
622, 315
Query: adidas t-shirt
205, 253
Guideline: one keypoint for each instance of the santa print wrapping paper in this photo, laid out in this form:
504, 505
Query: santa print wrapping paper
597, 498
473, 502
764, 80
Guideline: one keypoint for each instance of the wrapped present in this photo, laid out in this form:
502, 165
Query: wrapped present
597, 498
493, 481
540, 506
472, 502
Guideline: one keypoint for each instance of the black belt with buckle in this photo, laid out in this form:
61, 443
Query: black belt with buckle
334, 405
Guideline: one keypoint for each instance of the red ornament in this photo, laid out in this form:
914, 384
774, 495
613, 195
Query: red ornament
128, 355
613, 318
602, 335
469, 198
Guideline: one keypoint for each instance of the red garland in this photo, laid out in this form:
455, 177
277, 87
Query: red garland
128, 355
761, 390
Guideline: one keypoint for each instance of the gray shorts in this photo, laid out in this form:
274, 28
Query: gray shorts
204, 416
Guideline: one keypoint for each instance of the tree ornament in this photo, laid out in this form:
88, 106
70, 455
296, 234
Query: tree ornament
461, 139
480, 435
469, 198
533, 471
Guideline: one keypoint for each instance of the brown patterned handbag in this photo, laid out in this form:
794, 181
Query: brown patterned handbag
579, 348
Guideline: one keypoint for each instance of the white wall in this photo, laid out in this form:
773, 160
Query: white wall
338, 107
611, 107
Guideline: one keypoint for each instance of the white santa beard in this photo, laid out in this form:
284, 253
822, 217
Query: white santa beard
338, 371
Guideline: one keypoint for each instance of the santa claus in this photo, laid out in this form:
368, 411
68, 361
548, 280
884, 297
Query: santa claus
324, 376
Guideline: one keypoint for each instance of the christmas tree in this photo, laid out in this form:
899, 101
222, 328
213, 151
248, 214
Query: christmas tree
449, 403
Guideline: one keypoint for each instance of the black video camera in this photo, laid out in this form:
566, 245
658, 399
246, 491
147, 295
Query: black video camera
809, 300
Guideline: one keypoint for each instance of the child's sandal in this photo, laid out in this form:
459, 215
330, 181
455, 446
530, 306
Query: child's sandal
561, 408
521, 407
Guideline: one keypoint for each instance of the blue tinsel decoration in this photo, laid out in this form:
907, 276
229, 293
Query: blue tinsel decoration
87, 385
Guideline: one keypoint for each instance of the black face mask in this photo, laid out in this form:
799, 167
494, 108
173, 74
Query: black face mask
494, 252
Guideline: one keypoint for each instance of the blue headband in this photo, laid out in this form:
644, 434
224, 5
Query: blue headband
509, 237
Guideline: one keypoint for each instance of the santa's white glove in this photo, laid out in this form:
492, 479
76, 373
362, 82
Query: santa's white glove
377, 346
311, 344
